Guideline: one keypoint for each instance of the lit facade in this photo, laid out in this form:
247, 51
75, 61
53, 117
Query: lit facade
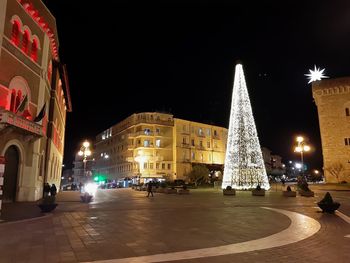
332, 98
157, 145
34, 99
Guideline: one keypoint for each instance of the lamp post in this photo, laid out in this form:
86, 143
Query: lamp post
301, 148
85, 152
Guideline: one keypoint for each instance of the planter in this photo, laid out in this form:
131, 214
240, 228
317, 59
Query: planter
86, 198
258, 192
46, 208
183, 191
306, 193
328, 207
289, 193
229, 192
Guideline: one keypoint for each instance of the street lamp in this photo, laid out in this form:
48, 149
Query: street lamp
301, 148
85, 152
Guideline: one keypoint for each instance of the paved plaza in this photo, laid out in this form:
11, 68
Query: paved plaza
123, 225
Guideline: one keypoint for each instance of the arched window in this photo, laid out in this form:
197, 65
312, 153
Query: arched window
34, 52
25, 42
15, 33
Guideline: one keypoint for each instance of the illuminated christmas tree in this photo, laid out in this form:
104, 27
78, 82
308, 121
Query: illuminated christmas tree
244, 164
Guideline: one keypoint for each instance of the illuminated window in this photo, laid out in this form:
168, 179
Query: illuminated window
147, 131
34, 53
158, 142
208, 132
200, 131
15, 33
146, 143
25, 42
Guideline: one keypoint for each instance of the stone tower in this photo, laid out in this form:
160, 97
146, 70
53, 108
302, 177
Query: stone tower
332, 98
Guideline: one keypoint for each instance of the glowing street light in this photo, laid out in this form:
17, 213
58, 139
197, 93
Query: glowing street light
301, 148
85, 152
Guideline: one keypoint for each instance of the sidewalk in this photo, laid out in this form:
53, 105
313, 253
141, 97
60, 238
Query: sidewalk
27, 210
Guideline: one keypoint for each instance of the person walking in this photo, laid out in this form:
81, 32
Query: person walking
149, 188
47, 189
53, 190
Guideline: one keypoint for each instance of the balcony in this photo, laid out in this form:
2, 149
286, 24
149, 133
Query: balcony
9, 122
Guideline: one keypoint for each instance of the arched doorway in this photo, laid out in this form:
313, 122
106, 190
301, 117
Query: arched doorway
11, 174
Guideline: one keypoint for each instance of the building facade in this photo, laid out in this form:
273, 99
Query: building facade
34, 99
332, 98
153, 145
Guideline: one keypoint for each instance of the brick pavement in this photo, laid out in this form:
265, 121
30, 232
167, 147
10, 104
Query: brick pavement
124, 223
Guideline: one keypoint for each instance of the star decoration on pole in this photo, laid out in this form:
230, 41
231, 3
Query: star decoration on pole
315, 74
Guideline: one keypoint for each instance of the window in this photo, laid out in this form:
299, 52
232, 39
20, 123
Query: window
25, 42
184, 140
215, 145
147, 131
151, 166
347, 141
163, 166
145, 166
157, 165
157, 130
215, 133
34, 52
208, 144
192, 142
208, 132
200, 144
193, 156
15, 33
347, 112
201, 156
146, 143
169, 166
158, 142
138, 141
200, 131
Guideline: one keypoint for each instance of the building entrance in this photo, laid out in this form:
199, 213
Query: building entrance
11, 174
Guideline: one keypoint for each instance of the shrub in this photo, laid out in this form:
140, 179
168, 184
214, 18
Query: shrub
303, 185
228, 187
288, 188
258, 188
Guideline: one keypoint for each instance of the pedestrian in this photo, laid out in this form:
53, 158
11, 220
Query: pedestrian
53, 190
47, 188
149, 188
80, 187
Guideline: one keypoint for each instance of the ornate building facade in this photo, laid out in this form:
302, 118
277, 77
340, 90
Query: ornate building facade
332, 98
153, 145
34, 99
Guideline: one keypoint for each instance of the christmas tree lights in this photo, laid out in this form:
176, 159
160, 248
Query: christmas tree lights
244, 164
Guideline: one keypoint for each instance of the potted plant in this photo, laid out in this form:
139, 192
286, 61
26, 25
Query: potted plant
327, 204
86, 197
289, 192
183, 191
258, 191
304, 189
48, 204
229, 191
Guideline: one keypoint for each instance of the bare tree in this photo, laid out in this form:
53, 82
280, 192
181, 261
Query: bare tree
335, 169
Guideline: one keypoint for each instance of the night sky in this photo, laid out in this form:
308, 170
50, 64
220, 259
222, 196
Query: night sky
179, 56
